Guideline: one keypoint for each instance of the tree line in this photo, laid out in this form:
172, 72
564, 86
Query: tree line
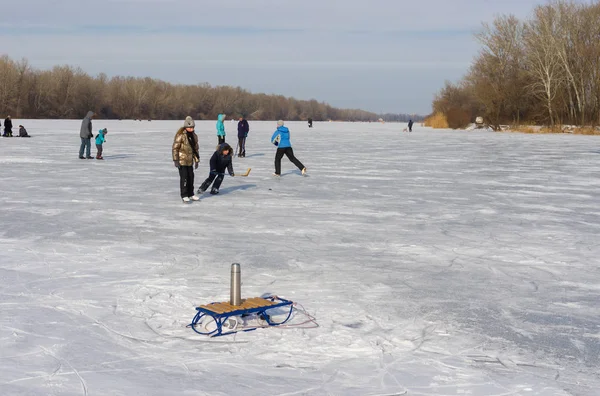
69, 92
543, 70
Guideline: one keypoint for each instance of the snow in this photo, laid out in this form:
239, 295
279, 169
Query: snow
435, 262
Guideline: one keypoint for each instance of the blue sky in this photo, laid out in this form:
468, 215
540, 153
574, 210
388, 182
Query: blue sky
378, 55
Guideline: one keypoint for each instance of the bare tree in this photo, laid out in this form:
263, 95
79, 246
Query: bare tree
543, 63
497, 74
8, 83
66, 92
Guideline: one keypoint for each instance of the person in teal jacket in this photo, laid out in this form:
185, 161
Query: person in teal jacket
100, 139
221, 128
281, 139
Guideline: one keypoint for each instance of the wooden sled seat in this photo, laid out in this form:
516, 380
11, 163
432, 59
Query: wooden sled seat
221, 308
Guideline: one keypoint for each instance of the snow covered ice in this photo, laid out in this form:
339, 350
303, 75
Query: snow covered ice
435, 262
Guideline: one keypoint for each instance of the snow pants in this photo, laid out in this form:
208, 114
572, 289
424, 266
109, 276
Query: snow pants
288, 153
217, 183
186, 181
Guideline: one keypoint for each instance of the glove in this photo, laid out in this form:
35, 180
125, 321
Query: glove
232, 174
176, 163
92, 135
196, 166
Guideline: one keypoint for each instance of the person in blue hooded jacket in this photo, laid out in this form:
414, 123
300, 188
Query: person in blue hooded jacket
100, 139
221, 128
281, 138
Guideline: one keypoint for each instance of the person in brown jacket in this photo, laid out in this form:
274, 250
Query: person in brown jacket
186, 158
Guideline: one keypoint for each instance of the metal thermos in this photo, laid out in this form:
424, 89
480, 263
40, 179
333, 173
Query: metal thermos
236, 287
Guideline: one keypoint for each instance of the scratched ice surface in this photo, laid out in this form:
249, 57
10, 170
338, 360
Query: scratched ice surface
436, 263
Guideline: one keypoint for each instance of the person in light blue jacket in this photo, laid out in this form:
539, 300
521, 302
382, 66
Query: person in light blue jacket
100, 139
281, 139
221, 128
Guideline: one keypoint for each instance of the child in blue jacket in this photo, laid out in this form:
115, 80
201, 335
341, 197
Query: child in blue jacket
221, 129
100, 139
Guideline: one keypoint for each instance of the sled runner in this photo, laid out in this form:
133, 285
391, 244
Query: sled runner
222, 318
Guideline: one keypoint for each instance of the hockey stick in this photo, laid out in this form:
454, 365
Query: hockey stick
241, 175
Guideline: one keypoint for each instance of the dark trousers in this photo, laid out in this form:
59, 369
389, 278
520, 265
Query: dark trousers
221, 139
290, 154
86, 144
242, 146
8, 132
186, 181
217, 183
99, 153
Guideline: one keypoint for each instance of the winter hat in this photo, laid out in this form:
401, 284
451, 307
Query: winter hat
189, 122
280, 123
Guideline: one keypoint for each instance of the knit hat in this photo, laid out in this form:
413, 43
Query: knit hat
280, 123
189, 122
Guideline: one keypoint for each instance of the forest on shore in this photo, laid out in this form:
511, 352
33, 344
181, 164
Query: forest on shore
69, 92
544, 70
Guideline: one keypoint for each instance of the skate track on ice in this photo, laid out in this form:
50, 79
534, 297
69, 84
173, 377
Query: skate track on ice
436, 263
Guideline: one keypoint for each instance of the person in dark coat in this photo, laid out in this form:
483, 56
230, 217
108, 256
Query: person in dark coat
243, 129
310, 122
220, 160
23, 131
8, 127
86, 135
410, 124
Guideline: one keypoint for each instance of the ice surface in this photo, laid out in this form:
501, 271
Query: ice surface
436, 263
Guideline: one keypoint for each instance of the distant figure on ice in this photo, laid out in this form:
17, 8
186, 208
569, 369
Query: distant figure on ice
100, 139
410, 124
86, 135
243, 129
23, 131
8, 127
281, 139
221, 129
310, 122
220, 160
186, 158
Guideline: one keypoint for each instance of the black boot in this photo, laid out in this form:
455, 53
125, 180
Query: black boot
214, 191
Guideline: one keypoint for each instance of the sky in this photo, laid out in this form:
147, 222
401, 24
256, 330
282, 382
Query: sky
377, 55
